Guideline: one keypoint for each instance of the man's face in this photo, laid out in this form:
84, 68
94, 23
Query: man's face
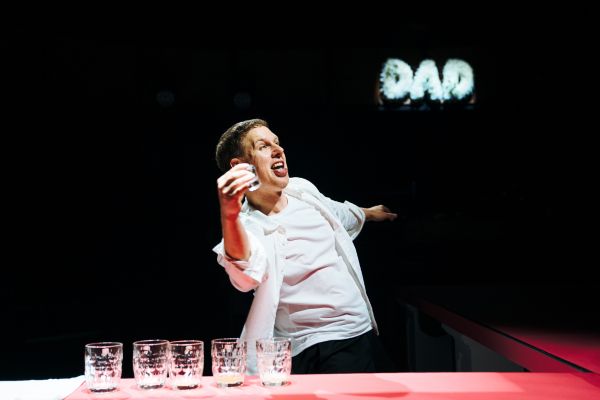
268, 157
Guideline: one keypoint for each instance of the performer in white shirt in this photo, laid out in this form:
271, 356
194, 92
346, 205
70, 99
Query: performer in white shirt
293, 246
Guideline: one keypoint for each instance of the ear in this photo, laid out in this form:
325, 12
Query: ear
234, 162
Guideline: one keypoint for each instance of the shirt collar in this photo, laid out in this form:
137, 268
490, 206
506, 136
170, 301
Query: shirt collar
269, 225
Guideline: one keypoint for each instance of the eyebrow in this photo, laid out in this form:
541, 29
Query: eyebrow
276, 140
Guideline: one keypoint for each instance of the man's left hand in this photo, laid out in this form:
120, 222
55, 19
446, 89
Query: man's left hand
379, 213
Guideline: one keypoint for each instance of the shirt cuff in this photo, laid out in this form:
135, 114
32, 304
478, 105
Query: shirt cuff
358, 213
255, 267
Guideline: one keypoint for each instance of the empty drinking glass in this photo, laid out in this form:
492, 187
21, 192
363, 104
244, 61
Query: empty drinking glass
150, 362
255, 183
103, 365
186, 363
228, 361
274, 358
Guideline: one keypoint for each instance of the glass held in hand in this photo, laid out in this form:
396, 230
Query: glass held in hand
255, 183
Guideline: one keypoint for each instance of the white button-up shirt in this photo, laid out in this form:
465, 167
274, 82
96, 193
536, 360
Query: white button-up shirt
264, 270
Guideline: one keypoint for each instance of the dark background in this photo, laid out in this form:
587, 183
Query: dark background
110, 174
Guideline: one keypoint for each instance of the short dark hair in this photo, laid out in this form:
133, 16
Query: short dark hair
230, 143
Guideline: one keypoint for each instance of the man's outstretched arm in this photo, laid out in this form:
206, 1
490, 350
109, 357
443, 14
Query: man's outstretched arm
379, 213
231, 187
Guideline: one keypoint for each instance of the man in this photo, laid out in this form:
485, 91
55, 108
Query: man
293, 246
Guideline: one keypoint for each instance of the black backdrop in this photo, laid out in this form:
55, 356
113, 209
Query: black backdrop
111, 175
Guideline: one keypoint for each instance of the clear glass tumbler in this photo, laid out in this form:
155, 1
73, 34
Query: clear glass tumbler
228, 361
255, 183
274, 358
150, 363
186, 363
103, 365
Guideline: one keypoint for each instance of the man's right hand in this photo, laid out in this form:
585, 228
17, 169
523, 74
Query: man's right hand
231, 187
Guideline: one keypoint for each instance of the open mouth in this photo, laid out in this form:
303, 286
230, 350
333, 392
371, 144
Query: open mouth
279, 169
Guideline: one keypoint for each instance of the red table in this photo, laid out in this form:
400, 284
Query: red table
451, 385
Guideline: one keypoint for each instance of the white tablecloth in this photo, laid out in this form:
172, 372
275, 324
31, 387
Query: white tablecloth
48, 389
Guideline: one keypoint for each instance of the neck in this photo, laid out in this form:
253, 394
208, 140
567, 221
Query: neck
268, 203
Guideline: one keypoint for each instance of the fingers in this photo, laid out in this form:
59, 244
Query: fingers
392, 216
237, 174
232, 188
385, 213
232, 185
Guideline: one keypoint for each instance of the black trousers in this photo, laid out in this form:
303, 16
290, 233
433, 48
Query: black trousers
358, 354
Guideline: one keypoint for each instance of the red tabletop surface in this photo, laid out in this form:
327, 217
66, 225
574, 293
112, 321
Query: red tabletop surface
446, 385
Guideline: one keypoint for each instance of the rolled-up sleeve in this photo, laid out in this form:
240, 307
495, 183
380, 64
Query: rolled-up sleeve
244, 275
350, 215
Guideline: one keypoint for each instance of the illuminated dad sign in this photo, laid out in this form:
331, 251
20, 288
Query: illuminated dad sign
399, 85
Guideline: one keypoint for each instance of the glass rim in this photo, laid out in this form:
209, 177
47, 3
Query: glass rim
151, 342
185, 342
227, 340
103, 345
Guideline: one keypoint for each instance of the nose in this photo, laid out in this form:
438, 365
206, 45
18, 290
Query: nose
277, 149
